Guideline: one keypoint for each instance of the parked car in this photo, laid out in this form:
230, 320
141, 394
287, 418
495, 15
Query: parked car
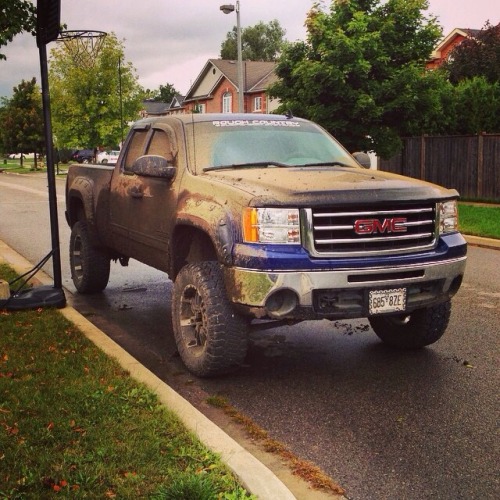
110, 157
83, 156
24, 155
66, 154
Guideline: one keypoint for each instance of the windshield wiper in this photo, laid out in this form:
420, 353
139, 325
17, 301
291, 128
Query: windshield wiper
324, 164
256, 164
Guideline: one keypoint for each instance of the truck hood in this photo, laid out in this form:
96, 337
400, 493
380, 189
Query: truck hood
326, 185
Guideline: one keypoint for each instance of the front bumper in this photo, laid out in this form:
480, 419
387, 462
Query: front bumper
340, 293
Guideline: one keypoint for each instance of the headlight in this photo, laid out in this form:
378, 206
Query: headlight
448, 216
271, 225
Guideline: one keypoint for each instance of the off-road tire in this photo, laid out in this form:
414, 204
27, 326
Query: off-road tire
415, 330
212, 339
89, 265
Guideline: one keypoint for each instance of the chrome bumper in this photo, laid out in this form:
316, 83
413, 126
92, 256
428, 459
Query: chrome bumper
279, 294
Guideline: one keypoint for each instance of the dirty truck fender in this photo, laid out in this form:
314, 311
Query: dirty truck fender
213, 219
88, 199
80, 196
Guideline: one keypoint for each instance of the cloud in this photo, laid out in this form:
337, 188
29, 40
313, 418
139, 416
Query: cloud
169, 41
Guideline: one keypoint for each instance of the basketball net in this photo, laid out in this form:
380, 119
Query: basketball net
83, 46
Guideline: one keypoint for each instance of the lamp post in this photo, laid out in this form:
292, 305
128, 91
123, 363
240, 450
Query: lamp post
227, 9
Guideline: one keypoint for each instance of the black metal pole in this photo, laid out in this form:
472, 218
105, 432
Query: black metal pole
121, 96
54, 224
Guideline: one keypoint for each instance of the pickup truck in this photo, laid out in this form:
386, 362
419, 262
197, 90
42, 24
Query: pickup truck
262, 219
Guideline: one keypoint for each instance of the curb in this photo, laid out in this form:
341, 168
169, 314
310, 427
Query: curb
482, 242
255, 477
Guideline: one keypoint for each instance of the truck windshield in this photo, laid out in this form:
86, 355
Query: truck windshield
264, 143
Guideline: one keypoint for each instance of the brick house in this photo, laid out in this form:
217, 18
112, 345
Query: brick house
443, 49
215, 90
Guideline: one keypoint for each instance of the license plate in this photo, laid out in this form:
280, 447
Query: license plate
385, 301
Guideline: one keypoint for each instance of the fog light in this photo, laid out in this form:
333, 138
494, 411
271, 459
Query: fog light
281, 303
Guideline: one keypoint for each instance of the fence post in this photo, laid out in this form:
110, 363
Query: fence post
422, 157
480, 163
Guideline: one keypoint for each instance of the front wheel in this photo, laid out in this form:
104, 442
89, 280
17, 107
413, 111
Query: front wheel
210, 336
415, 330
89, 265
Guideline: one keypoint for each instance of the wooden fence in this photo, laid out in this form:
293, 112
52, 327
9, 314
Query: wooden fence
469, 164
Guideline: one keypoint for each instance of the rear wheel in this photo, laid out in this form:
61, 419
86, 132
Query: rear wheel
89, 265
415, 330
210, 336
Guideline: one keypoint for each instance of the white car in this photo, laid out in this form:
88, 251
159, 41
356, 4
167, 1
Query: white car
108, 157
25, 155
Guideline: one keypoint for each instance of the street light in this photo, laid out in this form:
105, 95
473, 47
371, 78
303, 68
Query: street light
227, 9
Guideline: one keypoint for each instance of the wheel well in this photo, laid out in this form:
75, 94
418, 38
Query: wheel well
190, 245
76, 211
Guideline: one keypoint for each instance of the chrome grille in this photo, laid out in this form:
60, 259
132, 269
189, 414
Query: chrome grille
370, 229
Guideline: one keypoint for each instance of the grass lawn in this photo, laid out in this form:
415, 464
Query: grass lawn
479, 220
73, 422
14, 165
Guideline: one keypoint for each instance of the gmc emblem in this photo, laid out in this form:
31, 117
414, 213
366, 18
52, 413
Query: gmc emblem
371, 226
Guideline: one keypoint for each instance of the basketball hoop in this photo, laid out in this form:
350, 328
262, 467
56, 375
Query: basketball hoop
83, 45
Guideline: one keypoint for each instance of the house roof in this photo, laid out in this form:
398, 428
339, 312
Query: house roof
256, 75
155, 107
177, 101
447, 40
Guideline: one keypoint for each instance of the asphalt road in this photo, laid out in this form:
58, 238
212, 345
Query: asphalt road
384, 424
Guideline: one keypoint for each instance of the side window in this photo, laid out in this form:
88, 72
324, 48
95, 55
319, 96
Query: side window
135, 148
160, 145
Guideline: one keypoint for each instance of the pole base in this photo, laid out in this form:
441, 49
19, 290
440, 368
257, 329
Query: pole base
33, 298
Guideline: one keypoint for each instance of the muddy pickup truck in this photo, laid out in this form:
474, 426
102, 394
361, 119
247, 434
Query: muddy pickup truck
262, 219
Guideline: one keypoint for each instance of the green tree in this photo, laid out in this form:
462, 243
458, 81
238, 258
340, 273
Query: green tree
22, 120
477, 105
92, 95
165, 93
262, 42
361, 72
16, 16
476, 56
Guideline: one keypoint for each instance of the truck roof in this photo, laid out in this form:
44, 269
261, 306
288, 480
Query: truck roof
208, 117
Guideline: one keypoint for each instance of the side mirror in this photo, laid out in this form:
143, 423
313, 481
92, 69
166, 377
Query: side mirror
363, 159
153, 166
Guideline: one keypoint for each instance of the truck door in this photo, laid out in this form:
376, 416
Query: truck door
141, 206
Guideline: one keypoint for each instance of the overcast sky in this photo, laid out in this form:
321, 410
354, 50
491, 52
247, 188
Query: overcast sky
169, 41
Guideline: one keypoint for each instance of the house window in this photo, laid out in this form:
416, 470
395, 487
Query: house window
257, 104
227, 102
200, 108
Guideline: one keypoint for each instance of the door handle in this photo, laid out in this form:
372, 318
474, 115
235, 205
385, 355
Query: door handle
136, 192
